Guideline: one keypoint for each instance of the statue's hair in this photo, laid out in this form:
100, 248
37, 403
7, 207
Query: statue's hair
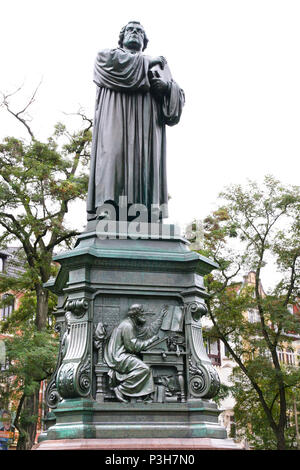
135, 309
122, 32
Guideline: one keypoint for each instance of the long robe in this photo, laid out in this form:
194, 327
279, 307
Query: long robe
133, 376
128, 156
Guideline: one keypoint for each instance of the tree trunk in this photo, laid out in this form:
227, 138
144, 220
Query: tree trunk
42, 296
281, 444
28, 422
27, 425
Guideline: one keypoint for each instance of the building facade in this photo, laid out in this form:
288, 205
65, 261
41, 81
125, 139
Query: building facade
10, 266
288, 355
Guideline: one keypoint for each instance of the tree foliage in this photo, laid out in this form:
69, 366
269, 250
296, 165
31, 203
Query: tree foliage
254, 227
38, 182
250, 416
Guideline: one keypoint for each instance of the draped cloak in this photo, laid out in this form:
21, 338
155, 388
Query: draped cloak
133, 376
128, 156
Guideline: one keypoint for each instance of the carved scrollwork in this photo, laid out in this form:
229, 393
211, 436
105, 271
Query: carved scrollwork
203, 380
84, 381
77, 306
52, 395
197, 310
73, 379
74, 375
214, 381
65, 381
58, 327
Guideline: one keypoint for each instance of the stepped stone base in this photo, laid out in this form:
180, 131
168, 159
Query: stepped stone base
139, 444
98, 281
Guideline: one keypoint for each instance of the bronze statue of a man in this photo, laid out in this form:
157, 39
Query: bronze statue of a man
134, 102
130, 376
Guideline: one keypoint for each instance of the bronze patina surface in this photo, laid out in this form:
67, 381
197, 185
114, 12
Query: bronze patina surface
132, 363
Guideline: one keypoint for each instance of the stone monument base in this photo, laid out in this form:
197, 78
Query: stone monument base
88, 425
182, 444
97, 283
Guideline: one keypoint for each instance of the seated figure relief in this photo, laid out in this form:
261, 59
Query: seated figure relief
130, 376
136, 353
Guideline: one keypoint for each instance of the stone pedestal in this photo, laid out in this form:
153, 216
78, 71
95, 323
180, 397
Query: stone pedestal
98, 281
134, 444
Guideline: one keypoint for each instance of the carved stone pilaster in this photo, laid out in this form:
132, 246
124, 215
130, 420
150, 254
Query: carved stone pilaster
78, 307
202, 378
73, 378
52, 396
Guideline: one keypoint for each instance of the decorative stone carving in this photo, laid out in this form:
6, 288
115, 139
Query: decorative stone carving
52, 396
84, 380
66, 380
129, 376
101, 369
159, 342
202, 377
196, 310
100, 335
73, 378
203, 380
78, 307
163, 360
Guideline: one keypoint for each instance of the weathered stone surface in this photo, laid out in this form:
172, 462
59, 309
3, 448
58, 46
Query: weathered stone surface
97, 283
140, 444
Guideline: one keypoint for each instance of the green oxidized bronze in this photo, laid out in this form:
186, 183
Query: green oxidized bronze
132, 362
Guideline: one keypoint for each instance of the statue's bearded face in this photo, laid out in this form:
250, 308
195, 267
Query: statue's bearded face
141, 318
134, 36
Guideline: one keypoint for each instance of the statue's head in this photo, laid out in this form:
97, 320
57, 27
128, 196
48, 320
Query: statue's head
133, 36
136, 313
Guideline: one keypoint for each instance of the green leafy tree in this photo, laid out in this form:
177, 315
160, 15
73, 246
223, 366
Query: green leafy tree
254, 226
38, 181
252, 420
32, 355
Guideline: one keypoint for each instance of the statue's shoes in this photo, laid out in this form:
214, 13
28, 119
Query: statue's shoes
120, 395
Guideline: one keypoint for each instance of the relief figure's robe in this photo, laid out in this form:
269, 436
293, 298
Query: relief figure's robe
133, 376
128, 156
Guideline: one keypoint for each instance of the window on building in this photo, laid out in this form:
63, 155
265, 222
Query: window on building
290, 357
280, 355
1, 264
8, 305
253, 316
213, 350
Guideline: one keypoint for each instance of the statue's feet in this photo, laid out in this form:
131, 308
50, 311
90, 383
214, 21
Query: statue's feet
120, 395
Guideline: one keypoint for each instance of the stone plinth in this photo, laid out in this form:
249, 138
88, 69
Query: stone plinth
183, 444
97, 282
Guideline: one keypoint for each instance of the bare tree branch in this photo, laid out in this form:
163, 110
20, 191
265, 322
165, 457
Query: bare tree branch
18, 114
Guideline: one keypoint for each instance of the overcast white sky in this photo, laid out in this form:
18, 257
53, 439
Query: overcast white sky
237, 61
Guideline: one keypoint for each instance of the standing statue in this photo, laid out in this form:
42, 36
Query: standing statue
100, 335
130, 376
136, 98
